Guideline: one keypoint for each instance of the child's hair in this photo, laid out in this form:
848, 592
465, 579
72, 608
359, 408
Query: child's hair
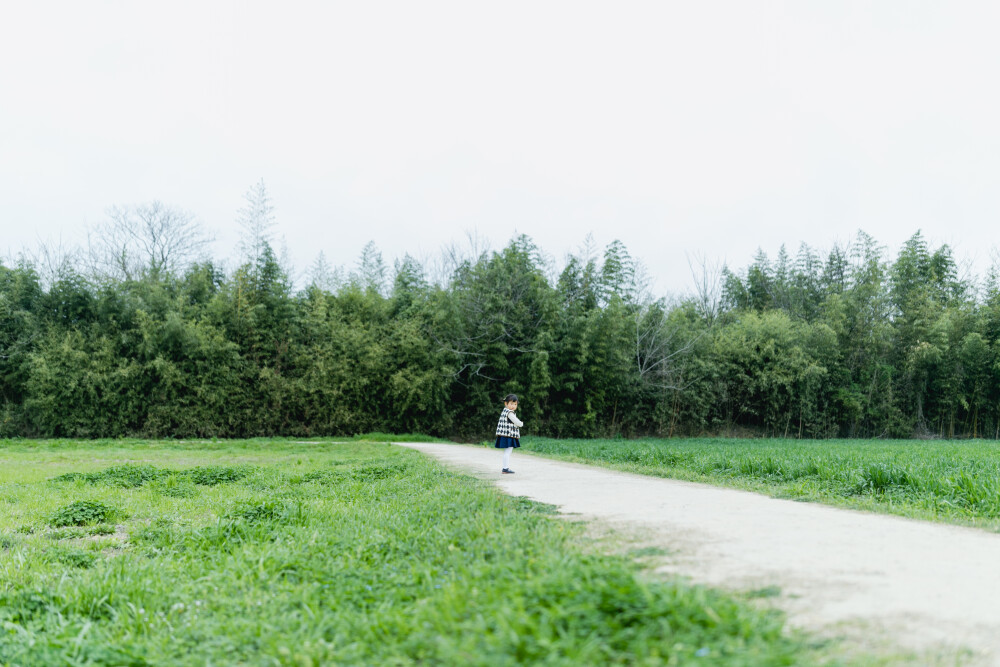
510, 397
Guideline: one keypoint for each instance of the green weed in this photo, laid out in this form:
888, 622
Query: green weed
175, 486
379, 470
26, 605
268, 510
127, 476
947, 481
66, 533
324, 476
525, 504
74, 558
213, 475
881, 477
354, 554
82, 513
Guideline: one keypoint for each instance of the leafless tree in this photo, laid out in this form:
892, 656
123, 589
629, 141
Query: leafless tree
52, 260
707, 277
144, 239
659, 345
454, 255
660, 342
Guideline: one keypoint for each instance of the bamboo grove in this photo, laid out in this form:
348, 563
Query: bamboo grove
849, 343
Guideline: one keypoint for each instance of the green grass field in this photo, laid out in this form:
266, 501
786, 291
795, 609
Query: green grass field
952, 481
271, 552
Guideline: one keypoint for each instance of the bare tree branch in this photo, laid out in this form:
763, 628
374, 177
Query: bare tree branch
52, 260
658, 347
144, 239
453, 256
707, 278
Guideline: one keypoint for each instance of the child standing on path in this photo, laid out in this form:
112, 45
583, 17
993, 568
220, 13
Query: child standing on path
508, 431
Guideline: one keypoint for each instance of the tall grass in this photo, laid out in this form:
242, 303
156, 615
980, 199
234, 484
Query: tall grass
356, 554
954, 481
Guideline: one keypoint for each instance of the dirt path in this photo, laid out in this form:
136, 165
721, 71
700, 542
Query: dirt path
920, 586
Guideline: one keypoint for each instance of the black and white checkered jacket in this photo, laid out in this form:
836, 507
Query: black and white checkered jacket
506, 428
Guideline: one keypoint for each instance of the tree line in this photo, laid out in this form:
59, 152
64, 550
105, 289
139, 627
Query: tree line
148, 338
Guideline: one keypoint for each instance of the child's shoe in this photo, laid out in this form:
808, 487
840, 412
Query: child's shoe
507, 471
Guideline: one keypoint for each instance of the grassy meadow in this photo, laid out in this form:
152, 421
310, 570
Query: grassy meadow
272, 552
951, 481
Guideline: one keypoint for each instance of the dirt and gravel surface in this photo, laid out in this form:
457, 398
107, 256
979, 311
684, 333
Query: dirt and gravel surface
931, 590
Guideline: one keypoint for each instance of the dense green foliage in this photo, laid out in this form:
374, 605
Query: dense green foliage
359, 553
957, 482
855, 344
83, 512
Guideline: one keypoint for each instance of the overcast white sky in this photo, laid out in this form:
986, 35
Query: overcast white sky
706, 128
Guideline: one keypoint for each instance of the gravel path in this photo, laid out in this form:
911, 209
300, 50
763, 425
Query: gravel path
925, 587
